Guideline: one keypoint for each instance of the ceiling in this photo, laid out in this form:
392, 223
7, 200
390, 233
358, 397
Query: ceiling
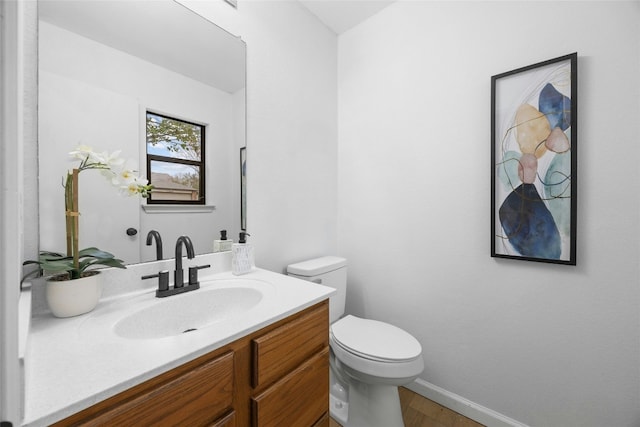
342, 15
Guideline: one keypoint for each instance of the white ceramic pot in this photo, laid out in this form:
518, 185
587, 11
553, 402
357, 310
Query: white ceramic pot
67, 298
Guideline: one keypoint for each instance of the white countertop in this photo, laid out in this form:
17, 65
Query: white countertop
76, 362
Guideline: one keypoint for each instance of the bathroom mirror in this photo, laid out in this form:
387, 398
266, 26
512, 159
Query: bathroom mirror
102, 66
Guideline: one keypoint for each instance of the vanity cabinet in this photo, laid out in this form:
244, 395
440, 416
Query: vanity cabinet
290, 372
277, 376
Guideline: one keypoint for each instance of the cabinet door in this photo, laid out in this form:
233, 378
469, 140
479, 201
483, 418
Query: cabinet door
197, 398
299, 399
278, 352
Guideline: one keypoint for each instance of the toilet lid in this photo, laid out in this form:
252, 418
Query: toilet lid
375, 340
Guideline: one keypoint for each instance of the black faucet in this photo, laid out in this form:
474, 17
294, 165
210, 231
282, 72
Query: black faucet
178, 285
154, 235
179, 273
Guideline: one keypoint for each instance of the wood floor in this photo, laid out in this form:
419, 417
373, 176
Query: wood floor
418, 411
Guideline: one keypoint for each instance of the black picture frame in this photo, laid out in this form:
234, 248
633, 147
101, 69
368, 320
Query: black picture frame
534, 118
243, 188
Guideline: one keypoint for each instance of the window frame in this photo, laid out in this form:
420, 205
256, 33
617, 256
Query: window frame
201, 163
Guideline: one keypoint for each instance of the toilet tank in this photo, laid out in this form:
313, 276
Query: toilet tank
329, 271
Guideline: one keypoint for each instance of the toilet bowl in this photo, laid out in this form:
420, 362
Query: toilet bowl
369, 358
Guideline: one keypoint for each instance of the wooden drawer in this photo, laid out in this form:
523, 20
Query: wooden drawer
198, 397
299, 399
227, 421
323, 421
278, 352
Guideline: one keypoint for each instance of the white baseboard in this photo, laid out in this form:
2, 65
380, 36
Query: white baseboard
459, 404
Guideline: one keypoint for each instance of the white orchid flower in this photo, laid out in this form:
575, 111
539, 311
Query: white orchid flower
141, 181
112, 167
131, 189
114, 159
81, 152
97, 158
106, 160
127, 176
110, 175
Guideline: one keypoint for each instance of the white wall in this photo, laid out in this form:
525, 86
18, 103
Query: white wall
543, 344
292, 134
291, 128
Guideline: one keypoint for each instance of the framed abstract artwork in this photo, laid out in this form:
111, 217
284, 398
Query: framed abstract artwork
533, 161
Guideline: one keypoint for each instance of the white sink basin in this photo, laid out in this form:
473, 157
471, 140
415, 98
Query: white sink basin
187, 312
147, 317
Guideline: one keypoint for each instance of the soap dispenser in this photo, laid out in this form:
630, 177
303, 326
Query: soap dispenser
222, 244
242, 260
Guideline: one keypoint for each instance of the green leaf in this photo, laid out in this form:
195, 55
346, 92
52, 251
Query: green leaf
54, 262
95, 252
110, 262
55, 266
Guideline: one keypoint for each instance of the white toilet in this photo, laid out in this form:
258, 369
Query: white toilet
369, 359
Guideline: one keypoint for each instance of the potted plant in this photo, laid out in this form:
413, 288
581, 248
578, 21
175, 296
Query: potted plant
74, 287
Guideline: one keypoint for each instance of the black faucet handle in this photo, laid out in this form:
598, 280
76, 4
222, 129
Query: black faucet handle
193, 273
163, 279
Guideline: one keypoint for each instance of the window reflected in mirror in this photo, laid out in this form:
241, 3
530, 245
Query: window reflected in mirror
175, 160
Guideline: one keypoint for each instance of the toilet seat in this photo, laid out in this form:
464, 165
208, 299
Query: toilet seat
375, 340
